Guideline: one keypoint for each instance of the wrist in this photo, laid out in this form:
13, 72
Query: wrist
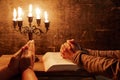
77, 57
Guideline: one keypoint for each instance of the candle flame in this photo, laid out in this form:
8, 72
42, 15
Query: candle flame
30, 11
46, 16
37, 13
14, 14
19, 13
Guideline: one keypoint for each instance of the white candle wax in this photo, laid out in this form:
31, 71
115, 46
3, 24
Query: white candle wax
46, 17
37, 13
19, 14
14, 15
30, 11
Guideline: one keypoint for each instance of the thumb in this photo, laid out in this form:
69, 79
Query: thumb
19, 53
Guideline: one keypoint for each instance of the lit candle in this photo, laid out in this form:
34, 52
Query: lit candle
30, 11
14, 15
46, 17
19, 14
37, 13
38, 20
14, 18
20, 22
46, 21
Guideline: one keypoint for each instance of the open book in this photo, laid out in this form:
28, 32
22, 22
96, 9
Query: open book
53, 61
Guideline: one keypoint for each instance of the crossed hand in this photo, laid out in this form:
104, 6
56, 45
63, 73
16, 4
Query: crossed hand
69, 48
23, 59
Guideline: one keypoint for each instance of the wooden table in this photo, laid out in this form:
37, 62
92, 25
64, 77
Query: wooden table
39, 69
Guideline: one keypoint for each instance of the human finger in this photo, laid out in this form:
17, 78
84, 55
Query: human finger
32, 50
18, 54
71, 41
66, 52
75, 46
62, 49
26, 60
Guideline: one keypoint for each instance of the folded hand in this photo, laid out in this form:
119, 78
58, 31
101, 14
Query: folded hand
69, 48
23, 59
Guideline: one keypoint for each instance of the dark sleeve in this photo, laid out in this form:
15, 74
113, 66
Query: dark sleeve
108, 67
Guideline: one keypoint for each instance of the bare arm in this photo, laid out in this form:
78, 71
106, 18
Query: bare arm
29, 74
6, 73
12, 68
27, 63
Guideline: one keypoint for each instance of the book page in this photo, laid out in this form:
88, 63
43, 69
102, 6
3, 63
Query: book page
54, 61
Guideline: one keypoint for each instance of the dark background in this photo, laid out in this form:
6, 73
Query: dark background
94, 24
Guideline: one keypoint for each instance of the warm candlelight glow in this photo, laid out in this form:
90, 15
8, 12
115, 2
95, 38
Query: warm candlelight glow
37, 13
31, 28
14, 15
30, 11
19, 14
46, 16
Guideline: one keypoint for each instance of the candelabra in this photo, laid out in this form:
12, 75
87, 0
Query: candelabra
30, 29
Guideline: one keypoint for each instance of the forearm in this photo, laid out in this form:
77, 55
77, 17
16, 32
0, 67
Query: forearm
6, 73
29, 74
99, 65
105, 53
